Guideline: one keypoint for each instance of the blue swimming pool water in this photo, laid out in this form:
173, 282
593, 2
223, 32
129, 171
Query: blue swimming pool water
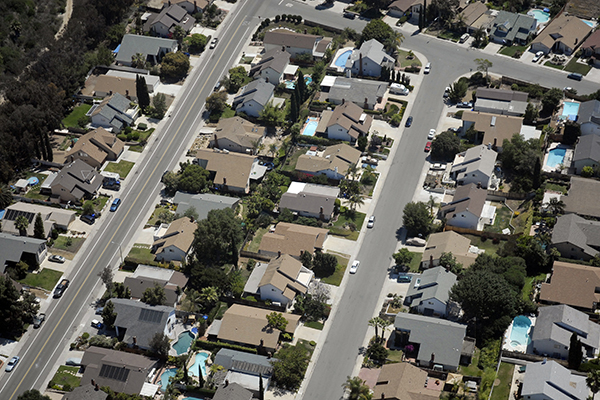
342, 58
589, 23
292, 85
518, 334
184, 342
311, 127
164, 378
540, 16
570, 110
199, 365
555, 156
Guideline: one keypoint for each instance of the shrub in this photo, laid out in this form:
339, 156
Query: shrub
250, 264
216, 346
142, 126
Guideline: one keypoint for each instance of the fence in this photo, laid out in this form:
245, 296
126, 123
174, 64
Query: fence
324, 27
508, 196
256, 304
257, 256
529, 357
489, 235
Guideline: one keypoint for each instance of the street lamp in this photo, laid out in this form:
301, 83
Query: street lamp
120, 253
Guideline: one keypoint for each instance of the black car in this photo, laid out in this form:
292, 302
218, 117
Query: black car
88, 219
575, 76
61, 287
408, 122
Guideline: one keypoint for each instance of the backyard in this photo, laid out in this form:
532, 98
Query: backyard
503, 215
290, 162
501, 390
488, 244
254, 244
78, 112
45, 279
122, 168
348, 225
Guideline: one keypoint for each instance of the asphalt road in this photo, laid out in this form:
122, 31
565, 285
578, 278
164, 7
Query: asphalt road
41, 348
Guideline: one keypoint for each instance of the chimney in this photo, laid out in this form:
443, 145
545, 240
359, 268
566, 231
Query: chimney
282, 48
216, 145
224, 181
127, 93
96, 387
321, 213
278, 254
226, 383
360, 67
195, 7
432, 359
269, 355
343, 101
93, 382
431, 261
134, 340
495, 142
478, 185
382, 396
366, 103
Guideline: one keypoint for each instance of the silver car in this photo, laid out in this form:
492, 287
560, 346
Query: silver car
12, 364
371, 221
354, 266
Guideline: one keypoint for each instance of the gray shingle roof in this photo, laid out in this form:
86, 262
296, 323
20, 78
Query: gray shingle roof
573, 229
434, 283
79, 178
274, 59
147, 45
115, 108
357, 90
307, 201
588, 148
13, 247
140, 320
517, 26
87, 392
203, 203
373, 50
583, 197
258, 90
244, 362
233, 391
551, 380
558, 323
589, 111
478, 158
466, 198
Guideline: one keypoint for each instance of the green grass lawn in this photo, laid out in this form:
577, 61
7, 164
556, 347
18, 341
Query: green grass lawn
61, 244
137, 148
415, 263
549, 64
66, 376
290, 163
394, 356
529, 281
338, 227
314, 325
154, 217
404, 62
141, 253
502, 391
70, 120
502, 220
46, 279
557, 188
510, 51
255, 243
522, 222
122, 168
487, 245
340, 269
574, 66
449, 35
472, 369
99, 202
34, 192
144, 135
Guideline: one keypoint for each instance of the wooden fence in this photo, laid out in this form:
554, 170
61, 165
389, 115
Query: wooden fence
257, 256
489, 235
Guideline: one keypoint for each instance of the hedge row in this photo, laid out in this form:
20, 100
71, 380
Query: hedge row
215, 346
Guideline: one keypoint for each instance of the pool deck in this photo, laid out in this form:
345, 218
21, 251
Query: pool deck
567, 160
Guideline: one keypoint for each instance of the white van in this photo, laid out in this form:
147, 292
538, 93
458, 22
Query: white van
396, 88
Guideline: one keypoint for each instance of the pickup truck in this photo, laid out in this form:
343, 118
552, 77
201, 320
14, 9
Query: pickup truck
61, 287
37, 321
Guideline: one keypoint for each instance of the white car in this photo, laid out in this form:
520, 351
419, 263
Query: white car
427, 68
371, 221
538, 55
56, 258
431, 134
12, 364
438, 167
464, 37
354, 266
213, 43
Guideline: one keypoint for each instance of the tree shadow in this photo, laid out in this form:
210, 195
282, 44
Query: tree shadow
401, 234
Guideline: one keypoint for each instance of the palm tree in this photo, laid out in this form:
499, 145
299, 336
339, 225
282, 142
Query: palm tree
272, 148
209, 295
192, 301
356, 200
555, 206
5, 197
255, 146
375, 324
431, 204
384, 324
22, 223
352, 171
138, 60
593, 381
358, 389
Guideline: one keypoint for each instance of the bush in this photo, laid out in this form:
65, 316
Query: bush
216, 346
142, 126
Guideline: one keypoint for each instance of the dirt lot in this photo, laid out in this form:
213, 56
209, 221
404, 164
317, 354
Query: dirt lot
587, 9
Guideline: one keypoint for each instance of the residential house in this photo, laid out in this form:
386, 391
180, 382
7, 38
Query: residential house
52, 218
203, 203
576, 237
468, 209
292, 239
500, 101
549, 380
364, 93
106, 85
403, 381
582, 197
232, 391
254, 97
138, 322
438, 343
191, 6
369, 59
588, 117
348, 122
177, 241
238, 135
512, 28
429, 294
113, 113
574, 285
86, 392
400, 8
164, 23
476, 165
16, 248
75, 182
310, 200
145, 277
296, 43
123, 372
554, 327
562, 35
95, 148
472, 13
152, 81
244, 369
152, 49
591, 48
333, 162
231, 172
447, 242
494, 128
587, 153
247, 326
271, 66
280, 281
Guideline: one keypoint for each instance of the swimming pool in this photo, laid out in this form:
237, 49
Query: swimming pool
311, 127
541, 16
556, 156
570, 110
519, 333
164, 378
184, 342
199, 365
292, 85
589, 23
342, 58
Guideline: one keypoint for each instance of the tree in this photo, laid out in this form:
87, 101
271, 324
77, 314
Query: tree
555, 206
138, 60
192, 178
32, 394
171, 182
289, 366
192, 302
38, 227
518, 158
107, 277
480, 38
458, 90
375, 322
587, 171
536, 181
324, 264
271, 115
302, 89
5, 196
217, 238
22, 223
277, 321
88, 208
551, 100
575, 352
416, 219
531, 113
235, 80
209, 296
355, 200
294, 107
198, 43
109, 316
362, 143
159, 344
403, 257
306, 259
593, 381
445, 146
174, 65
15, 310
383, 33
448, 260
154, 296
483, 65
159, 103
141, 89
359, 390
377, 352
178, 33
217, 102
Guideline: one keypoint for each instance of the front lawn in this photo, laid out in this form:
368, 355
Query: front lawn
46, 279
574, 66
512, 50
415, 263
154, 217
99, 202
449, 35
340, 269
549, 64
122, 168
502, 390
70, 120
62, 243
66, 378
341, 227
141, 252
405, 62
314, 325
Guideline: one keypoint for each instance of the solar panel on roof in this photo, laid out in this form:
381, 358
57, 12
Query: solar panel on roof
150, 315
12, 215
114, 372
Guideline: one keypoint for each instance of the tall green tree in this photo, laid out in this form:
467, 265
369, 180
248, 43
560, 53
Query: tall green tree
289, 366
154, 296
277, 321
294, 107
174, 65
217, 102
38, 227
416, 219
359, 390
5, 196
159, 102
483, 65
271, 115
159, 344
142, 92
537, 178
109, 316
575, 352
445, 146
217, 238
32, 394
551, 100
192, 178
383, 33
302, 89
21, 223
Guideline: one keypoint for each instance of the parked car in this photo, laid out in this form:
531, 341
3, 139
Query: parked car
464, 37
12, 363
371, 221
575, 76
115, 204
431, 134
427, 68
37, 321
427, 147
96, 324
409, 121
88, 219
213, 43
349, 15
464, 104
402, 278
537, 56
438, 166
99, 310
56, 258
416, 242
354, 266
61, 287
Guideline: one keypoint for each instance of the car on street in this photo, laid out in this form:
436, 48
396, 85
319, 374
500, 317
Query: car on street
431, 134
415, 241
213, 43
464, 37
12, 363
354, 266
37, 321
56, 258
575, 76
537, 56
427, 68
96, 324
115, 204
61, 287
568, 89
464, 104
438, 166
371, 221
88, 219
427, 147
349, 15
99, 310
409, 121
403, 278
